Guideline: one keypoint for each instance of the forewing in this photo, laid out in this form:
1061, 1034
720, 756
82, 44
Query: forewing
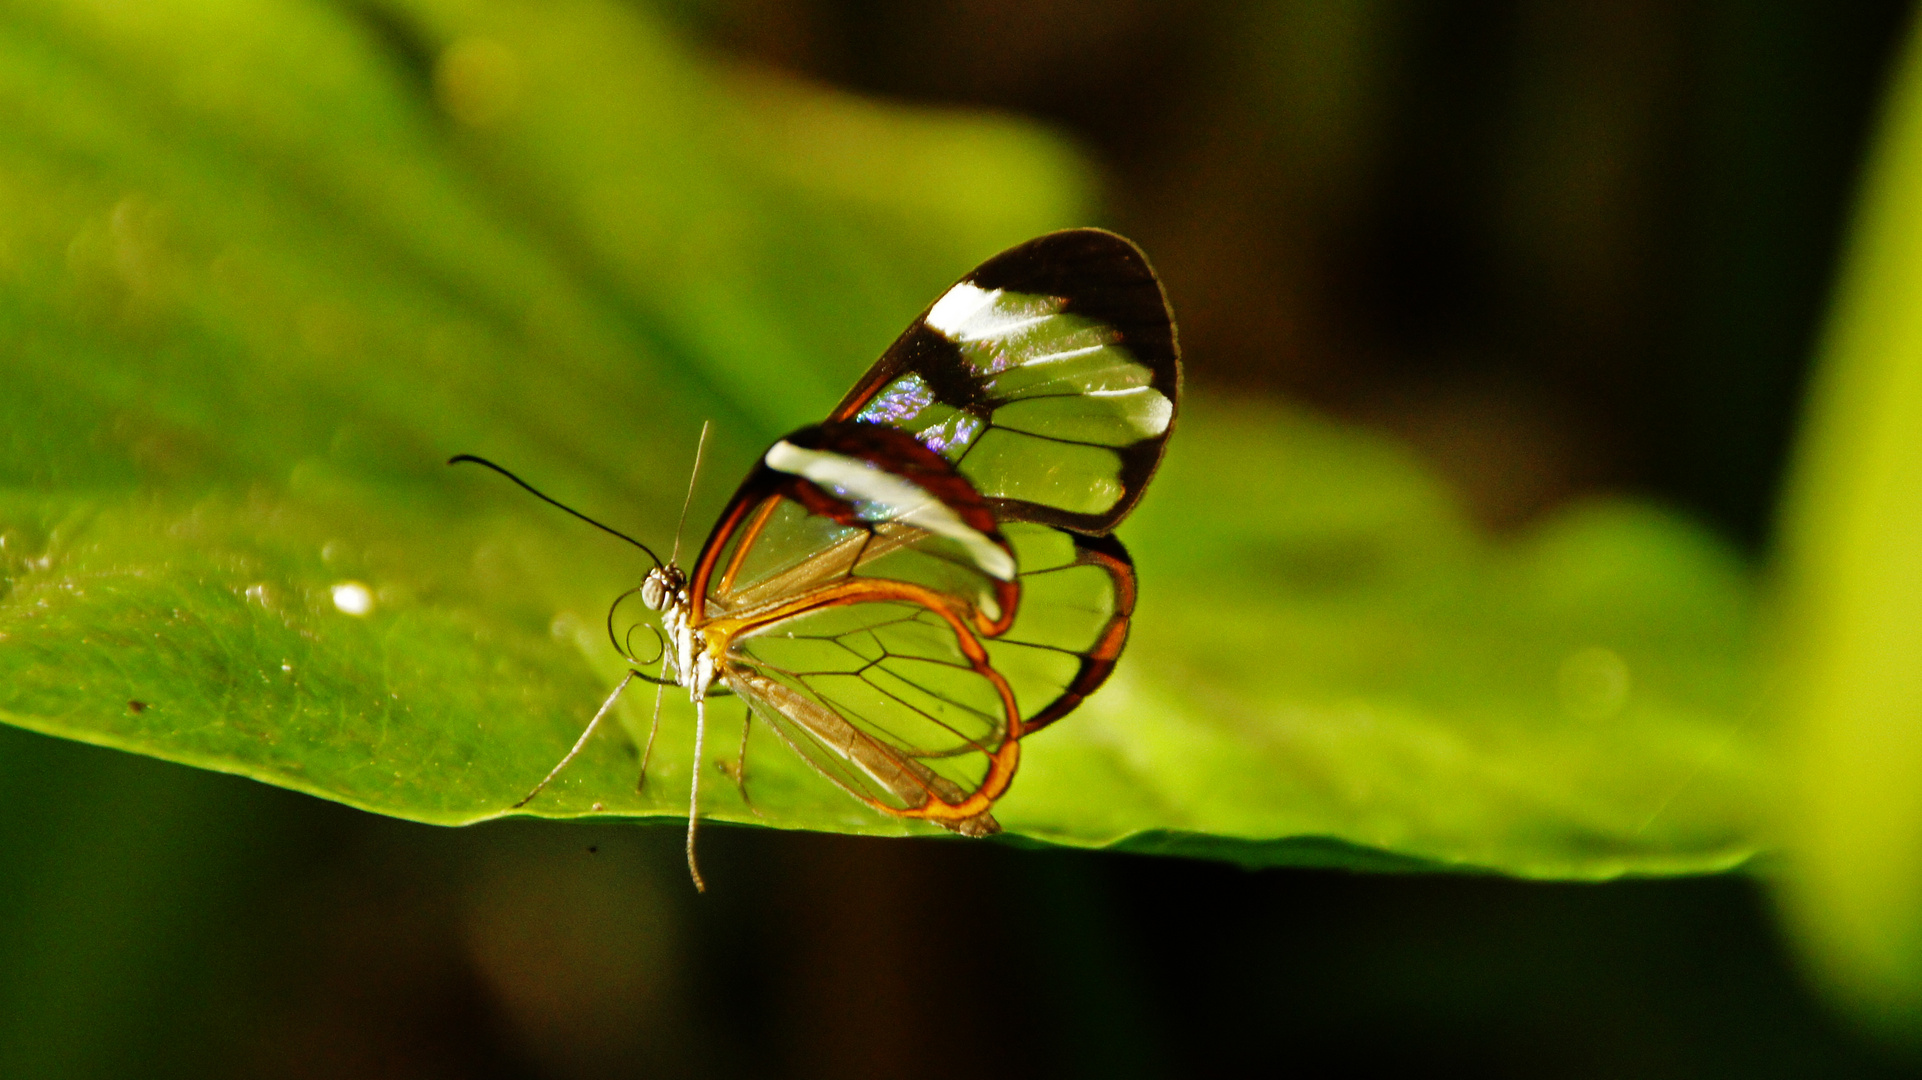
1050, 376
894, 701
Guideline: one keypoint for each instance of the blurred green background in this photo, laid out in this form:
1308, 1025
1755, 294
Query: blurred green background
1544, 511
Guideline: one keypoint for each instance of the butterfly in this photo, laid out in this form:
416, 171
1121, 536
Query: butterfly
906, 590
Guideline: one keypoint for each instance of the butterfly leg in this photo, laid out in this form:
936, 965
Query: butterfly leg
740, 764
694, 794
653, 728
580, 743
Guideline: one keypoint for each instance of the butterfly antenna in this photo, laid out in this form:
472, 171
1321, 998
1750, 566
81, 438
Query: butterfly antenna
538, 494
700, 450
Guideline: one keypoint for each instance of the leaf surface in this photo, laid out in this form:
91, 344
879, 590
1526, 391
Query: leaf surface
264, 267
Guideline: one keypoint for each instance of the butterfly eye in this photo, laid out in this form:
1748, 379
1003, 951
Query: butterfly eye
654, 591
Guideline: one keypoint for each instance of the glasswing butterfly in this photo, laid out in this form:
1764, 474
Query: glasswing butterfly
905, 590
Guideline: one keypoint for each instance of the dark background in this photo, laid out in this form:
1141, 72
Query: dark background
1559, 247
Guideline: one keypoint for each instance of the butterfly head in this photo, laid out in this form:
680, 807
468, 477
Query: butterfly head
662, 585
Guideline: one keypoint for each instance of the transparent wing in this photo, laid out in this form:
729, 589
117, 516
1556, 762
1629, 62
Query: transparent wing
1077, 597
896, 702
1050, 377
906, 708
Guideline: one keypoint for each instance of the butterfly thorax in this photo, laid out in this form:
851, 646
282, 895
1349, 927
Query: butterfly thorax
689, 653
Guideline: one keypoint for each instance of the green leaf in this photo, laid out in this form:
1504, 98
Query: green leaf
1341, 656
264, 267
1853, 626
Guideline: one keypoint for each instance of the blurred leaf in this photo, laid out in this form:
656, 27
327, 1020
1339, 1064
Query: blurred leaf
1343, 657
123, 873
264, 266
1854, 625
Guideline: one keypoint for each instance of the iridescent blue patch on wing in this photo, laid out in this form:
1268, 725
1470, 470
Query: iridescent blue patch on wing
954, 433
902, 401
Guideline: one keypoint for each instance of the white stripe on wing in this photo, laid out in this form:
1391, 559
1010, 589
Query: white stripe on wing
907, 502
